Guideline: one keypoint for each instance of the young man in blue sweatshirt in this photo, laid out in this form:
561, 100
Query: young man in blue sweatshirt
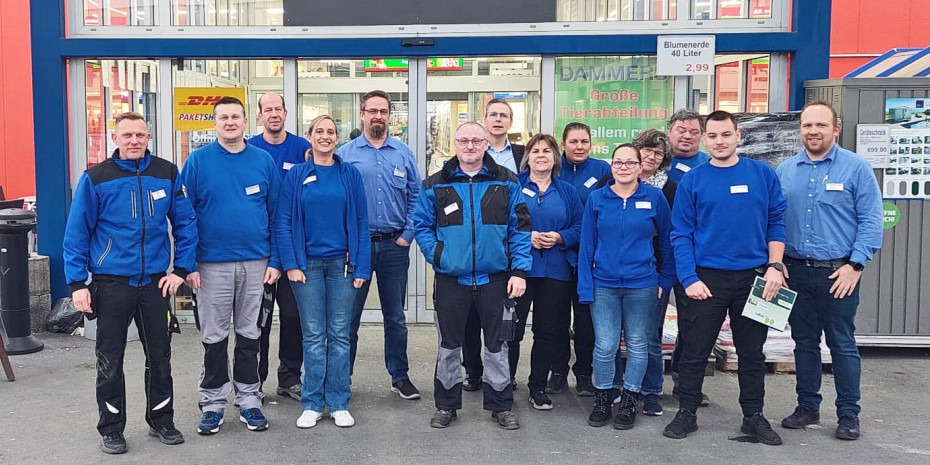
728, 227
287, 150
234, 189
127, 252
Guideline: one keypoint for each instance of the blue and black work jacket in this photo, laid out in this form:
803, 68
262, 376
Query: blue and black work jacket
471, 227
118, 224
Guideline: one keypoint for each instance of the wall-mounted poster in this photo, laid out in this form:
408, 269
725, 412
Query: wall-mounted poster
907, 175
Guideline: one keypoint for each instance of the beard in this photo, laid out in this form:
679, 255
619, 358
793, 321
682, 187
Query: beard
377, 131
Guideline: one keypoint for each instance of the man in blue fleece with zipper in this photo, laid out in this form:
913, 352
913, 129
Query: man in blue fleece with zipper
473, 226
118, 232
233, 187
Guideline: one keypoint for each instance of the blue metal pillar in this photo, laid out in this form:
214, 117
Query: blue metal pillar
811, 22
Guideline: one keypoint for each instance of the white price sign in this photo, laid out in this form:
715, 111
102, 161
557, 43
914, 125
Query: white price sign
872, 143
685, 55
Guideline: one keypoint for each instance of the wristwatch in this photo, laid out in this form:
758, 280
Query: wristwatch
856, 266
778, 266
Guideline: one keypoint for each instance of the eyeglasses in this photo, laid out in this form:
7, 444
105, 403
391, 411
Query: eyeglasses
495, 114
376, 112
624, 164
465, 142
651, 153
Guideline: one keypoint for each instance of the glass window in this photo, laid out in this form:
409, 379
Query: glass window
227, 12
615, 10
120, 12
757, 86
727, 87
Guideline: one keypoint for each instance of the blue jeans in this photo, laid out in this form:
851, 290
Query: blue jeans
325, 306
816, 311
652, 382
630, 311
389, 262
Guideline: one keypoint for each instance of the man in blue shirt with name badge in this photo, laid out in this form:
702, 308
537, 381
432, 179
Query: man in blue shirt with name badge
392, 183
684, 135
834, 227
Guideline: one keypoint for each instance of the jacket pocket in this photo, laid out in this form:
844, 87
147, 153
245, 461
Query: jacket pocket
449, 207
437, 255
105, 252
495, 205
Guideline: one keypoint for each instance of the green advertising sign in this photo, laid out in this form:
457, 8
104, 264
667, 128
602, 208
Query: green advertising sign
891, 215
616, 96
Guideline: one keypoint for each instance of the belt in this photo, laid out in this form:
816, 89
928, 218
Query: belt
386, 236
817, 263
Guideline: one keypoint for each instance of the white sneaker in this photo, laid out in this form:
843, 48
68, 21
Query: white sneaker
343, 418
308, 419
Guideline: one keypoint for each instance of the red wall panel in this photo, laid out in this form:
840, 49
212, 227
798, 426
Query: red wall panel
17, 154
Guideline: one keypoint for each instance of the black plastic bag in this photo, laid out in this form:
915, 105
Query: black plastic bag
64, 318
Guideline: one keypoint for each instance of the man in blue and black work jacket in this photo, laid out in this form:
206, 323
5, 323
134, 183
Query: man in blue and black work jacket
118, 232
473, 226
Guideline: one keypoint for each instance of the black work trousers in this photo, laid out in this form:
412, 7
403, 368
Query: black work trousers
290, 337
551, 300
583, 328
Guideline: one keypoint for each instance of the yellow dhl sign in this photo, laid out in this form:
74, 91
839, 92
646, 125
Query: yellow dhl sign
193, 106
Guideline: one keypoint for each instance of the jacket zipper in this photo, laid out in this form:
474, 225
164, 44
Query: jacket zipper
622, 234
139, 180
133, 195
474, 245
107, 251
151, 206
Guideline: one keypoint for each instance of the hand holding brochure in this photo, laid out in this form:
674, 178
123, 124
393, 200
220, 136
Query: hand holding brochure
773, 314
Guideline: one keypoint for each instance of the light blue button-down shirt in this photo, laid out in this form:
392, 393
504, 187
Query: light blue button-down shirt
392, 182
504, 157
834, 207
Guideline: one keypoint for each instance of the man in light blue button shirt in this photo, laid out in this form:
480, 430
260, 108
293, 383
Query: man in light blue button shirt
834, 227
392, 183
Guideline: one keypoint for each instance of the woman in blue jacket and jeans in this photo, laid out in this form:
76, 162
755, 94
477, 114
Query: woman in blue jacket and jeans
617, 274
322, 233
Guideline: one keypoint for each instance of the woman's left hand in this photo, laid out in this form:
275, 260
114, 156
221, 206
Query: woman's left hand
358, 283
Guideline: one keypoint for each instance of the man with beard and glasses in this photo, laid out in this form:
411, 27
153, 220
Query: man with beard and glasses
392, 183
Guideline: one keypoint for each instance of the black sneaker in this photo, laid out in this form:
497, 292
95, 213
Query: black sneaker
167, 434
442, 418
652, 405
584, 387
600, 414
540, 400
114, 443
684, 423
760, 428
800, 418
626, 413
556, 384
705, 401
506, 419
293, 392
513, 383
848, 428
471, 383
406, 389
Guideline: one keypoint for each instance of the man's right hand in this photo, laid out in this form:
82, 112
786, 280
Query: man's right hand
698, 291
81, 300
193, 280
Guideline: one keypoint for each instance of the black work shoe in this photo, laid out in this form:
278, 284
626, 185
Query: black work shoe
506, 419
406, 390
114, 443
848, 428
540, 401
442, 418
167, 434
600, 414
293, 392
800, 418
556, 384
471, 383
685, 422
626, 412
760, 428
583, 386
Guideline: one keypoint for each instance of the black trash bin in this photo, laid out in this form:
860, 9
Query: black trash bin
15, 225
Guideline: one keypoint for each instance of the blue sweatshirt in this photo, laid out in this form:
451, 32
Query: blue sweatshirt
724, 218
235, 196
616, 241
329, 239
584, 176
558, 209
681, 165
290, 226
286, 154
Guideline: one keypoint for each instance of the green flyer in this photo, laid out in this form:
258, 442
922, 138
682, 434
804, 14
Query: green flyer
773, 314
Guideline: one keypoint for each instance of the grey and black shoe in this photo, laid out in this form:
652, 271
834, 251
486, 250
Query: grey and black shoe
167, 434
406, 390
471, 383
540, 401
291, 391
114, 443
442, 418
506, 420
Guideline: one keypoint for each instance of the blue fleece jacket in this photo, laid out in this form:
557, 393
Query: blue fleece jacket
724, 218
557, 209
616, 241
235, 196
584, 176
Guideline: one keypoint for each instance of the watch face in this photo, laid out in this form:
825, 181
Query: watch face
857, 266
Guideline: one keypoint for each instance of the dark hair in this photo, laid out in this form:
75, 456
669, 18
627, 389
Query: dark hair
721, 115
822, 103
575, 126
375, 93
654, 138
627, 145
283, 105
553, 144
228, 101
128, 116
498, 100
685, 115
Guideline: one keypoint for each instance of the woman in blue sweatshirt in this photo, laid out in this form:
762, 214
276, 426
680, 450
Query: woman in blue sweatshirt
322, 233
617, 274
556, 212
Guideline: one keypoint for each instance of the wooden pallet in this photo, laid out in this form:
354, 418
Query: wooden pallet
779, 367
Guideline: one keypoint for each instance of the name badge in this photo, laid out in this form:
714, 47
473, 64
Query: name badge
834, 186
741, 189
310, 179
159, 194
529, 192
682, 167
253, 189
644, 205
590, 182
287, 166
400, 173
451, 209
